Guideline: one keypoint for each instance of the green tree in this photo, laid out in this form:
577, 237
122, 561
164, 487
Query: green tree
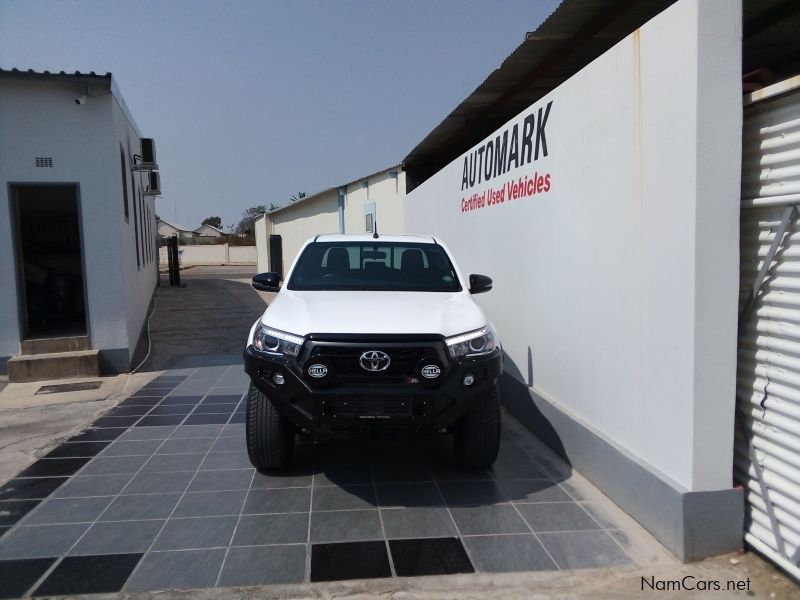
213, 221
297, 196
245, 226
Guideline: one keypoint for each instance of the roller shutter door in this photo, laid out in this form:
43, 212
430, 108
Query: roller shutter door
767, 447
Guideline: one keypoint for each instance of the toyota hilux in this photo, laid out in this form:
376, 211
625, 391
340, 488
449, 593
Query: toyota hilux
375, 336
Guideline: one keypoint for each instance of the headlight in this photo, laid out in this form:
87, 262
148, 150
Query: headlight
275, 342
473, 343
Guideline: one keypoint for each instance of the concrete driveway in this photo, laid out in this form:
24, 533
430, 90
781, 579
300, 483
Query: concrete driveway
157, 493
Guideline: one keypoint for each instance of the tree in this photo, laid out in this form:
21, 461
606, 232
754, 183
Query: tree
296, 197
272, 206
213, 221
245, 226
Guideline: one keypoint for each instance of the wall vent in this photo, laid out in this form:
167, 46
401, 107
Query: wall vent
44, 161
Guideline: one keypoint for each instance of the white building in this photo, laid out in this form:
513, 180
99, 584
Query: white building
166, 229
78, 261
598, 176
353, 207
208, 232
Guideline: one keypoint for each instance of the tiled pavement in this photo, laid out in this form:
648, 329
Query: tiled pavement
159, 494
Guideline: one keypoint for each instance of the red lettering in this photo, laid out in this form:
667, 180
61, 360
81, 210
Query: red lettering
547, 182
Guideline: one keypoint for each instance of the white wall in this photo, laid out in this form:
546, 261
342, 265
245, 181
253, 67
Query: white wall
617, 289
262, 244
306, 219
388, 194
216, 254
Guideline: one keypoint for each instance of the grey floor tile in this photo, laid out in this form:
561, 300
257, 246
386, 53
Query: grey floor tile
114, 465
518, 469
417, 522
186, 445
94, 485
236, 430
343, 473
397, 472
162, 463
343, 498
197, 431
40, 540
278, 501
452, 473
533, 490
610, 516
557, 516
119, 537
210, 504
147, 433
131, 448
508, 553
472, 493
158, 483
171, 410
256, 530
213, 481
345, 526
176, 570
280, 480
229, 444
146, 506
584, 549
479, 520
68, 510
264, 565
226, 460
202, 532
409, 494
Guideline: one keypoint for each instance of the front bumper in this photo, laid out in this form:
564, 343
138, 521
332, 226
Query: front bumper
372, 407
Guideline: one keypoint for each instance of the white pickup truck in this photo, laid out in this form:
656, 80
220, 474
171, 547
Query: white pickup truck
377, 336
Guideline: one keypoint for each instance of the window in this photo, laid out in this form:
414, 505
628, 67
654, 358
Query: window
390, 266
368, 223
124, 165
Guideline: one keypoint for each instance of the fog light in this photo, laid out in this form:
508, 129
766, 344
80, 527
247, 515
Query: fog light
278, 379
469, 379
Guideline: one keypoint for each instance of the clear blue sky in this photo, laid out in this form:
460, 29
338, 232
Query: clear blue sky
251, 102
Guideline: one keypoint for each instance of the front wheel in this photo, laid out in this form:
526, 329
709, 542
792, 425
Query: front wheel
270, 435
476, 437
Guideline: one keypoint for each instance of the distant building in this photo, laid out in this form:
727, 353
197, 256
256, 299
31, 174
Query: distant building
208, 231
376, 200
78, 259
167, 229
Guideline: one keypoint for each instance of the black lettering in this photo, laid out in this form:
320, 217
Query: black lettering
500, 152
481, 150
465, 177
527, 134
513, 154
471, 169
651, 583
540, 133
489, 163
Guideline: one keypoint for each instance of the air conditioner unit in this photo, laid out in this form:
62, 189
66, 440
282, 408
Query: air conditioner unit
147, 160
153, 184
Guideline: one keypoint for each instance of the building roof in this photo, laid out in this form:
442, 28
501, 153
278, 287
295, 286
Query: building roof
211, 226
575, 34
174, 226
316, 195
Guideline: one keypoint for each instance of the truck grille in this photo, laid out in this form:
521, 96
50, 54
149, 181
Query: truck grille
346, 369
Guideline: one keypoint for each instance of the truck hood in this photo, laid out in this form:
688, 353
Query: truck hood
302, 313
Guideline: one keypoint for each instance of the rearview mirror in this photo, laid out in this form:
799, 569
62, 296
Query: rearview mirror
266, 282
479, 284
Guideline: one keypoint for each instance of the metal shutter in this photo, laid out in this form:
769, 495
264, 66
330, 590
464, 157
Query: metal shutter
767, 447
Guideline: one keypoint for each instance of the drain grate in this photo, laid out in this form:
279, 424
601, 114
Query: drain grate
68, 387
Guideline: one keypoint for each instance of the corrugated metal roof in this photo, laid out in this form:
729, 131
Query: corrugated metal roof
30, 74
575, 34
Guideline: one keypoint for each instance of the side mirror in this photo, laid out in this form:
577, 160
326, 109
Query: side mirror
479, 284
266, 282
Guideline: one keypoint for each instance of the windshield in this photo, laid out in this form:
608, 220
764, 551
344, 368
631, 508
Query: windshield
389, 266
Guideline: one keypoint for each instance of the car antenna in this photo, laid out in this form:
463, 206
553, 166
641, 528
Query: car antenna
375, 230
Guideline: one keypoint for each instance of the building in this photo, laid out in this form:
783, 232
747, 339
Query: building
601, 177
353, 207
208, 233
78, 260
167, 229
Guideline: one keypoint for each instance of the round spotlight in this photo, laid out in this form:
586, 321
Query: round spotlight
469, 379
278, 379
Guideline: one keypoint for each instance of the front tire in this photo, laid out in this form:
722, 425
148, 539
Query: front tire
270, 435
476, 437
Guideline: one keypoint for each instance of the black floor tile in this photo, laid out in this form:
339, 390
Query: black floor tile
206, 419
143, 401
3, 531
350, 560
89, 575
205, 409
222, 399
17, 576
149, 394
238, 417
127, 411
159, 420
30, 489
12, 511
170, 409
98, 435
115, 422
434, 556
181, 400
54, 467
77, 449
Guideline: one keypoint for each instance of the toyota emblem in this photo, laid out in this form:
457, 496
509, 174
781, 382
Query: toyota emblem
374, 361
